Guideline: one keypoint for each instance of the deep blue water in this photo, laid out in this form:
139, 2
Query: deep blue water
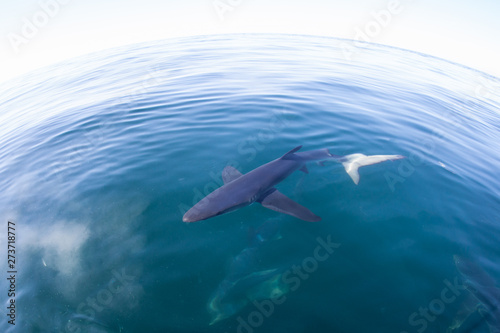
100, 157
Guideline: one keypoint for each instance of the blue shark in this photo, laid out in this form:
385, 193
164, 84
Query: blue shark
240, 190
244, 283
485, 294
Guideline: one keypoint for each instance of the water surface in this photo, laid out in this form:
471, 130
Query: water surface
101, 156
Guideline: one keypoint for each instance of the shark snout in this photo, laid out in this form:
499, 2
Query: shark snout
201, 211
198, 212
192, 216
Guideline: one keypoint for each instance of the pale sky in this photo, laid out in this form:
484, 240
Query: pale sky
37, 33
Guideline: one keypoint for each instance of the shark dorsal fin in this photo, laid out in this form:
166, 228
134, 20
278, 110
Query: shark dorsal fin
291, 152
229, 174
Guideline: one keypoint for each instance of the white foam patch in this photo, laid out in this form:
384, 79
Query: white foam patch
58, 246
61, 254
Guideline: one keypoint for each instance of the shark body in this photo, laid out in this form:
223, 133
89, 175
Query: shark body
241, 190
246, 280
486, 297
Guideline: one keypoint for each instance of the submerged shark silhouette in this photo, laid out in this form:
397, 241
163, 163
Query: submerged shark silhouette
485, 297
246, 281
258, 185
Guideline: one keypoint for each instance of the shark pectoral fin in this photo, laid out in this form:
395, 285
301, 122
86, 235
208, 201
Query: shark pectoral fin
260, 276
304, 169
281, 203
241, 286
229, 174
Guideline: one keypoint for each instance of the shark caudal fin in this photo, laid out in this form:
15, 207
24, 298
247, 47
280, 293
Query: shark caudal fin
353, 162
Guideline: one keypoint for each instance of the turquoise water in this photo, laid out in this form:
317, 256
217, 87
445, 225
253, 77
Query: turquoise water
102, 155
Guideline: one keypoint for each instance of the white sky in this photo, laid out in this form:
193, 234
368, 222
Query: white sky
463, 31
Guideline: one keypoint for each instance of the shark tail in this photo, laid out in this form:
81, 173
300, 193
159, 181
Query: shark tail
353, 162
352, 169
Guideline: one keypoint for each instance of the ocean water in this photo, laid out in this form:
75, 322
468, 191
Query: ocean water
100, 157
